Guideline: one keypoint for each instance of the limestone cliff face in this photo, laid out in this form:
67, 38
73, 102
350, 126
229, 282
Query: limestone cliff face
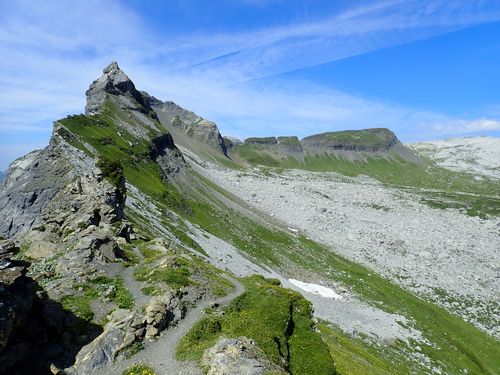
349, 145
185, 125
254, 141
168, 157
368, 140
33, 180
170, 110
289, 145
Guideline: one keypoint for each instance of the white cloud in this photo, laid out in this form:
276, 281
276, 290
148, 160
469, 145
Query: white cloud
468, 126
51, 51
249, 55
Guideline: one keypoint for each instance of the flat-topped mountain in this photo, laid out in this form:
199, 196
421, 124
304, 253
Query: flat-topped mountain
371, 140
348, 145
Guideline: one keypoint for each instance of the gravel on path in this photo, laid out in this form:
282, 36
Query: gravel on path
160, 353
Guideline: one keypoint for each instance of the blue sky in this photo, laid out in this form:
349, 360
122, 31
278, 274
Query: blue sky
425, 69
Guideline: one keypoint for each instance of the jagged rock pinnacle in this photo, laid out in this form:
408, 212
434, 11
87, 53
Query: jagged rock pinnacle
116, 86
110, 67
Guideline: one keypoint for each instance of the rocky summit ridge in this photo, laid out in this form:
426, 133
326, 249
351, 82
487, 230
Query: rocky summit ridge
140, 238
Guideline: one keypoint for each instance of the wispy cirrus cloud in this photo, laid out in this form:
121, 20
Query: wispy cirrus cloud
51, 51
250, 55
461, 126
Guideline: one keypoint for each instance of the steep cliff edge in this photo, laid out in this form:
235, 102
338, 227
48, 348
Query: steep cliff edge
33, 180
350, 152
189, 130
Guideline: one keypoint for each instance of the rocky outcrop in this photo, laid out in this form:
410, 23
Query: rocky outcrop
289, 145
170, 110
208, 132
29, 324
83, 205
168, 157
33, 180
368, 140
163, 311
231, 141
239, 356
17, 294
124, 328
184, 124
349, 145
116, 86
254, 141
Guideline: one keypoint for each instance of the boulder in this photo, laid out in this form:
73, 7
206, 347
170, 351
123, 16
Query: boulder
239, 356
163, 311
123, 329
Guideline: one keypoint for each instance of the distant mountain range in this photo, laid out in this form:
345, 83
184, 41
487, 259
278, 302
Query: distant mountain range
1, 175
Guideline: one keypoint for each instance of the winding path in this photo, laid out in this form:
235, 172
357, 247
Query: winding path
160, 354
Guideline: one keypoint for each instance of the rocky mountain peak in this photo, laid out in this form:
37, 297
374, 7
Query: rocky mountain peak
116, 86
112, 66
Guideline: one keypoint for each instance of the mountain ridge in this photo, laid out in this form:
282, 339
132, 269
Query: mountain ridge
133, 217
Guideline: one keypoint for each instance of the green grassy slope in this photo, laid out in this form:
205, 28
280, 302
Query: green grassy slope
453, 344
278, 319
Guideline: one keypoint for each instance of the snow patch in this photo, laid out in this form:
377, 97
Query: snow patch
323, 291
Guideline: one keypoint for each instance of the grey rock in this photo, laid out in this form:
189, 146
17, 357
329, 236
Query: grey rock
254, 141
338, 141
168, 157
163, 311
237, 357
289, 145
232, 141
123, 329
99, 352
351, 144
184, 125
115, 85
126, 320
33, 180
21, 327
